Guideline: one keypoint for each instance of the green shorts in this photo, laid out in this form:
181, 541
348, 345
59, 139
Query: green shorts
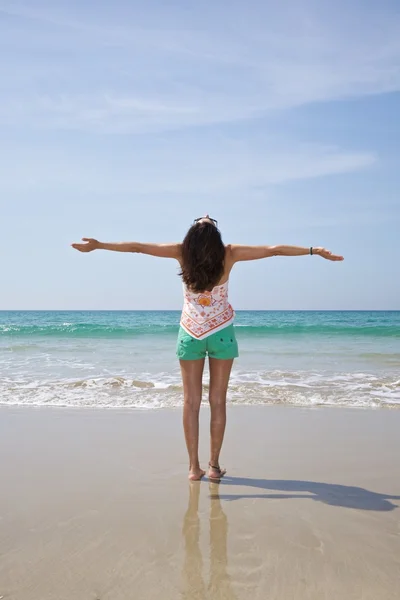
222, 345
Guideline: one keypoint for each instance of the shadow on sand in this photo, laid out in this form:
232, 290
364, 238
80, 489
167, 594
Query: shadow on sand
333, 494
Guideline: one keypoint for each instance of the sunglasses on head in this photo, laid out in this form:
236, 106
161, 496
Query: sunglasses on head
209, 218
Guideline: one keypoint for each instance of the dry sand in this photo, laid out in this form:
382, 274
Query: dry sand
96, 505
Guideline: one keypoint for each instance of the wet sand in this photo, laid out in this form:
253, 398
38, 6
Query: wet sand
95, 504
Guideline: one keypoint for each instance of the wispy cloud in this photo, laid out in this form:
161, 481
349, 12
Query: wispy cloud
134, 69
175, 166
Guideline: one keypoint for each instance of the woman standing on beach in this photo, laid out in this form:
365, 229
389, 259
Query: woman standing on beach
206, 326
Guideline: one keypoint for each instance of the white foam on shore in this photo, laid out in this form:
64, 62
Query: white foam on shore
153, 391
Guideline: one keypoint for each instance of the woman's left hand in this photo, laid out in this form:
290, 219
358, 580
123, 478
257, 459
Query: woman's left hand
327, 254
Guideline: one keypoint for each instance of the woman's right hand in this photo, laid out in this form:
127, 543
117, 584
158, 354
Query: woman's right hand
90, 244
327, 254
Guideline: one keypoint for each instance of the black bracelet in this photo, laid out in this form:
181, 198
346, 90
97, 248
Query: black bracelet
311, 252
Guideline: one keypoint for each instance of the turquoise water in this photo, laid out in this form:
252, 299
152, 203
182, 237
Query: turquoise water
111, 324
107, 358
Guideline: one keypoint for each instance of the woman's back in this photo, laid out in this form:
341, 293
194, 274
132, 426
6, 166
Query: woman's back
206, 312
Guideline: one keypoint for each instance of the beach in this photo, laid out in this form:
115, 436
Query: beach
176, 177
95, 504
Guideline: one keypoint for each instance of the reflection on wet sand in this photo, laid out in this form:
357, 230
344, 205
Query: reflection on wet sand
219, 583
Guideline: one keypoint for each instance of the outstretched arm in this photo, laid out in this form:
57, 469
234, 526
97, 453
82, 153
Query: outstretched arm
161, 250
240, 253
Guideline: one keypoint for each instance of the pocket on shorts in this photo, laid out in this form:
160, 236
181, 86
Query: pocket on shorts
187, 347
223, 344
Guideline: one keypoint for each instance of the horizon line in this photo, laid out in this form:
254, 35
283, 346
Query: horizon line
180, 309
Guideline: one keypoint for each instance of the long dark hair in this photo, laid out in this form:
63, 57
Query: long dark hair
203, 257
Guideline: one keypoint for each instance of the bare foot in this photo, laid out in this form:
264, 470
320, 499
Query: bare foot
215, 473
196, 474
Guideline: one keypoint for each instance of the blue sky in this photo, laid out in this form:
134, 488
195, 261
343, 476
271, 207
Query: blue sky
125, 120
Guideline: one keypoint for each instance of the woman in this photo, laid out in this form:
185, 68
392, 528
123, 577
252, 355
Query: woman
206, 326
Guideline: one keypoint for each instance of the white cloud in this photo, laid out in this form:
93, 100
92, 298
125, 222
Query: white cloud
174, 165
140, 67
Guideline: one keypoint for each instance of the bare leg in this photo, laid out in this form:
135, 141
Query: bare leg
192, 378
220, 371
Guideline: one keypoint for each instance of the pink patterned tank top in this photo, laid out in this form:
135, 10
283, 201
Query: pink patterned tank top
206, 313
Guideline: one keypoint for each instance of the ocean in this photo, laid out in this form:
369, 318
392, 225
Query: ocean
127, 359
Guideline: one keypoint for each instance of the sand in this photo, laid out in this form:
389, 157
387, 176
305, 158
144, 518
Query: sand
95, 504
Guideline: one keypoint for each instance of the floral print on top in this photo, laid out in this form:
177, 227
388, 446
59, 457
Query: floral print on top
207, 312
